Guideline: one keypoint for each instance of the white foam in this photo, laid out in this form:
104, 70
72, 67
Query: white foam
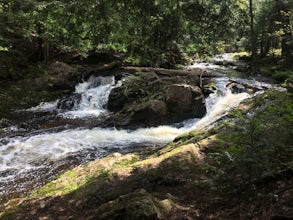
211, 66
220, 108
227, 57
44, 107
21, 154
206, 66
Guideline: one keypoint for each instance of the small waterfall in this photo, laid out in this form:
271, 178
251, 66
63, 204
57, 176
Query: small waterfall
218, 104
220, 64
89, 99
94, 95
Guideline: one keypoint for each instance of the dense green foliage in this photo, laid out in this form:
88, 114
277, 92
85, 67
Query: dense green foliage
149, 32
274, 29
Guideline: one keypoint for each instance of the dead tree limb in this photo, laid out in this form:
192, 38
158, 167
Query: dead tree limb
171, 72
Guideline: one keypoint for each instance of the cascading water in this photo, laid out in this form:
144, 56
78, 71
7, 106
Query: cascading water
91, 100
25, 157
27, 154
94, 97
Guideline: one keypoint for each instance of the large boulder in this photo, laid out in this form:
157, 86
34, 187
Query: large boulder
150, 99
153, 113
62, 76
186, 100
121, 96
117, 99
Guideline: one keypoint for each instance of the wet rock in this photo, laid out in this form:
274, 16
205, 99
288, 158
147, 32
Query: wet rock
245, 58
185, 100
4, 122
237, 88
153, 113
120, 96
69, 102
242, 68
220, 63
149, 99
62, 76
209, 87
117, 99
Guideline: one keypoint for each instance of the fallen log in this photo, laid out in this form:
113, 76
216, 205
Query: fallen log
105, 67
246, 86
171, 72
103, 70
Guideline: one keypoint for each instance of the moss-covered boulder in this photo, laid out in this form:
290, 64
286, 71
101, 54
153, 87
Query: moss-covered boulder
149, 99
137, 205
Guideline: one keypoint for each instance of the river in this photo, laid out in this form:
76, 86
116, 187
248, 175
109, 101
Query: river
31, 158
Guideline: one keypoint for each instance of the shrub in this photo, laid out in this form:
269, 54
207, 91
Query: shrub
259, 147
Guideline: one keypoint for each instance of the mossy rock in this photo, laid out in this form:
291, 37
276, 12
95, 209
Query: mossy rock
79, 176
149, 99
137, 205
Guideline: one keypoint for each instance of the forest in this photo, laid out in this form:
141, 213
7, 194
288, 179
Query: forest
146, 109
147, 32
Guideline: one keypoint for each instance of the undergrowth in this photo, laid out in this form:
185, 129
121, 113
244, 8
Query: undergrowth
259, 146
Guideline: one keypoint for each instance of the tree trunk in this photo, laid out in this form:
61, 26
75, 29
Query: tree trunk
46, 52
253, 42
286, 47
262, 43
252, 32
283, 18
171, 72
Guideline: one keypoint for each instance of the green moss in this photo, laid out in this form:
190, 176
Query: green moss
258, 145
68, 184
10, 214
189, 137
82, 175
126, 162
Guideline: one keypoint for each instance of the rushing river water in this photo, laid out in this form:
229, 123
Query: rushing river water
27, 159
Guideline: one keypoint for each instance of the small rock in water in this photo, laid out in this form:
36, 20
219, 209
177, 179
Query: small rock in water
236, 89
69, 102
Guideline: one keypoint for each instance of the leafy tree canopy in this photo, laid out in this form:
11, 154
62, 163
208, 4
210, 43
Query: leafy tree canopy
149, 32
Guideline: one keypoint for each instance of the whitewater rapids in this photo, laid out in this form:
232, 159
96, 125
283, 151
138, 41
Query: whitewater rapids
21, 154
